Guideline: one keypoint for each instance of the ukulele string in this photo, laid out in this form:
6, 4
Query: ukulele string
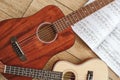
69, 77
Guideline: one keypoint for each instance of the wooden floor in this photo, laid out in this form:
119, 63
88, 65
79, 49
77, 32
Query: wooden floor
23, 8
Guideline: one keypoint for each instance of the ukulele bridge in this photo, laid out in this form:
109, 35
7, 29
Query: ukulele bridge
17, 49
90, 75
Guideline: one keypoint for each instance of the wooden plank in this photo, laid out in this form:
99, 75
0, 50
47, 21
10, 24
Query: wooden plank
2, 77
3, 16
79, 50
39, 4
72, 4
14, 8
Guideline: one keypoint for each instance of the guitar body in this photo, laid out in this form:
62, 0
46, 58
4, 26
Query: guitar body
80, 71
37, 52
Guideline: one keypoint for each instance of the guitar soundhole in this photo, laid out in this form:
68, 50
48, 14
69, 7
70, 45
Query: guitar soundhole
69, 76
46, 33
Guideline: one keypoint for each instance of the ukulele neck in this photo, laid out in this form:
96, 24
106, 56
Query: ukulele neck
33, 73
79, 14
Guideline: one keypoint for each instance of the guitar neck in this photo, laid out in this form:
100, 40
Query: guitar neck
33, 73
79, 14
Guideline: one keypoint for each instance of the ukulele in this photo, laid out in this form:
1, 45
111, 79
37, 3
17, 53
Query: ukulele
33, 40
93, 69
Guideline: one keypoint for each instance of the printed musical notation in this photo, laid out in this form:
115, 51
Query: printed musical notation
101, 32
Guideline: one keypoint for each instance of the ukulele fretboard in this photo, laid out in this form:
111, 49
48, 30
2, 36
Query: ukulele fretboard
79, 14
34, 73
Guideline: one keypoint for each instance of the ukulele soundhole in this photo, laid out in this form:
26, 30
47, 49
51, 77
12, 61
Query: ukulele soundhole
46, 33
69, 76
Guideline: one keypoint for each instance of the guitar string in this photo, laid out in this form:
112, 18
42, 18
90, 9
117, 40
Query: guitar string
71, 77
57, 28
33, 36
59, 25
66, 76
44, 32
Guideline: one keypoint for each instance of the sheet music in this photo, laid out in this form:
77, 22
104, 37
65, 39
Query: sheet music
101, 32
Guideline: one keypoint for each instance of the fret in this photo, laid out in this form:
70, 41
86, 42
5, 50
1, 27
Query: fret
34, 73
87, 11
90, 8
99, 3
80, 16
81, 13
95, 5
38, 74
9, 69
102, 2
18, 70
67, 21
62, 24
75, 16
25, 72
70, 19
58, 26
31, 71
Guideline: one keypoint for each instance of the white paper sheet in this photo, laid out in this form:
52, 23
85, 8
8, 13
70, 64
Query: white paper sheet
101, 32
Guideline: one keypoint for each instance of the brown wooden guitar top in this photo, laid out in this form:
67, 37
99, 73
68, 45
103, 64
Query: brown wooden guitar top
37, 53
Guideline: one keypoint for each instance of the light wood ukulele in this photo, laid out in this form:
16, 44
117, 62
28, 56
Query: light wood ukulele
32, 41
93, 69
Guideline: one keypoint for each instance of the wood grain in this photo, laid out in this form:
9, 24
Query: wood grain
36, 5
14, 8
78, 52
36, 52
72, 4
4, 16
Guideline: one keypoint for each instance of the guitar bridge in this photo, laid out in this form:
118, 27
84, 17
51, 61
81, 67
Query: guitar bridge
17, 49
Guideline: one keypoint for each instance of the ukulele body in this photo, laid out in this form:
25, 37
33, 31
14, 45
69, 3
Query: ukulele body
37, 52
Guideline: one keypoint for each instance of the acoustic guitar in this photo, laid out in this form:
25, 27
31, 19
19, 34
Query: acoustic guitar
32, 41
93, 69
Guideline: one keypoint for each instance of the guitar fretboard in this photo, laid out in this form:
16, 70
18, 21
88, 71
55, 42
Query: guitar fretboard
34, 73
79, 14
